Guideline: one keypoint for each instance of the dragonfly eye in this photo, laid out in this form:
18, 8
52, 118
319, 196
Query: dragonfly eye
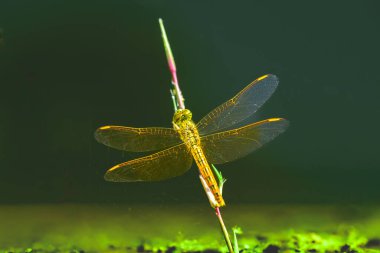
188, 115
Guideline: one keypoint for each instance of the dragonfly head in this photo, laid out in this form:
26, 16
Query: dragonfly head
181, 116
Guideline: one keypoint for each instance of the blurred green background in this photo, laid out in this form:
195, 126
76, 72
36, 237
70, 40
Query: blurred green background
67, 68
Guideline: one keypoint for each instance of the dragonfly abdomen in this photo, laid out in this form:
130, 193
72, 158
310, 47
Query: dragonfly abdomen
193, 142
207, 174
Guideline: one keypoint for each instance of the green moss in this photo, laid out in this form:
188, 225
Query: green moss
94, 228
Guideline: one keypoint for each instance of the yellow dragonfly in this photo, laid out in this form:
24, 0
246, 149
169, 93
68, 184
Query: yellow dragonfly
210, 141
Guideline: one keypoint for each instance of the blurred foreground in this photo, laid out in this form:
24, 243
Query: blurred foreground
174, 228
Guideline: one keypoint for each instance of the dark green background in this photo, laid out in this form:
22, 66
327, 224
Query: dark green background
67, 68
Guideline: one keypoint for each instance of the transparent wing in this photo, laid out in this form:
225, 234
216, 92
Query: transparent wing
137, 139
165, 164
233, 144
240, 107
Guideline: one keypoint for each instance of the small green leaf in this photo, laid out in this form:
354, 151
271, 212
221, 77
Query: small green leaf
219, 175
236, 231
175, 102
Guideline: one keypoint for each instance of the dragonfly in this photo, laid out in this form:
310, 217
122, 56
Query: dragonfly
213, 140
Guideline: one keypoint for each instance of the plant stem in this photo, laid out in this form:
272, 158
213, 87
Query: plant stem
172, 67
179, 100
224, 229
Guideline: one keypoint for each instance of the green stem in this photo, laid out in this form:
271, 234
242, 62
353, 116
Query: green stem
178, 102
224, 230
172, 67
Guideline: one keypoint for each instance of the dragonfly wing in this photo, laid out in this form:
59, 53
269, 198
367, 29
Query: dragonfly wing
233, 144
137, 139
240, 107
162, 165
